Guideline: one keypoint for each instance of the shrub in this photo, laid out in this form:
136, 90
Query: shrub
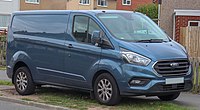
2, 49
150, 10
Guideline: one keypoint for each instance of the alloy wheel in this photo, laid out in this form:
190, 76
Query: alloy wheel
104, 90
21, 81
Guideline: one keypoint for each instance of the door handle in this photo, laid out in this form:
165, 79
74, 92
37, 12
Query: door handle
70, 46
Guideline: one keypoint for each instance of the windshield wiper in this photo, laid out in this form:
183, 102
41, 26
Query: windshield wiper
152, 41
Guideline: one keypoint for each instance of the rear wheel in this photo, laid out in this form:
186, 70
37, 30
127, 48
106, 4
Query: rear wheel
106, 90
169, 97
23, 81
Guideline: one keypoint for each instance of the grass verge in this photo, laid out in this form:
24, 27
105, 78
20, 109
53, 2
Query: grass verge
2, 68
27, 99
81, 101
7, 83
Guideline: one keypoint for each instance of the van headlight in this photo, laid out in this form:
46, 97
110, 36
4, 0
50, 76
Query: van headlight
135, 58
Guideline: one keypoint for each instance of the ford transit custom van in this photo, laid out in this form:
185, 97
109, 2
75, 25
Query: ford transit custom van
110, 54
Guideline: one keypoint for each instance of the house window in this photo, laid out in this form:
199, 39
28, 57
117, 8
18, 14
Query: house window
33, 1
4, 20
102, 3
84, 2
7, 0
126, 2
194, 23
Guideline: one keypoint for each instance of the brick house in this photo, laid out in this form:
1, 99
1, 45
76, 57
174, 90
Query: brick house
184, 18
90, 4
67, 4
178, 13
9, 6
131, 5
42, 4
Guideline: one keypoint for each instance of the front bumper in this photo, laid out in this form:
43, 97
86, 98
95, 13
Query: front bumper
156, 86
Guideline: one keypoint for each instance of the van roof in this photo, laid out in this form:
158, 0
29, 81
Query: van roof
69, 11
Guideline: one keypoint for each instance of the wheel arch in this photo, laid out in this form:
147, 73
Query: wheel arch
18, 65
20, 59
101, 72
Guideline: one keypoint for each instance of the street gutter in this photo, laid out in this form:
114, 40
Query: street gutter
34, 104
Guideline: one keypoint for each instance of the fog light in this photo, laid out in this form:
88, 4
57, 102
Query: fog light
136, 81
139, 82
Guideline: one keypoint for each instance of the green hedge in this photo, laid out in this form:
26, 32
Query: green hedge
2, 49
150, 10
3, 38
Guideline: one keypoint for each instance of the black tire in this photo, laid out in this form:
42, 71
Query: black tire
38, 86
25, 79
110, 88
169, 97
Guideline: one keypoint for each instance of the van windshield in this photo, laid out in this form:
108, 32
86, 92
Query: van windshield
132, 27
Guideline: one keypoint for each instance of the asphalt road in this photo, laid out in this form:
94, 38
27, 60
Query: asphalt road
188, 99
3, 76
14, 106
185, 99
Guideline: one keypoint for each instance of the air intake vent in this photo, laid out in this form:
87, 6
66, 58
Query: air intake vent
173, 87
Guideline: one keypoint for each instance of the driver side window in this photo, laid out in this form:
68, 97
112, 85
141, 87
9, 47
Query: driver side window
83, 27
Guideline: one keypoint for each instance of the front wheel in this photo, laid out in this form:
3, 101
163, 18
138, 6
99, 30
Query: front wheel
169, 97
23, 81
106, 90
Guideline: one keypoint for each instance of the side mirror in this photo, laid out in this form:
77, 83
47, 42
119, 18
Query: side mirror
98, 40
96, 37
106, 44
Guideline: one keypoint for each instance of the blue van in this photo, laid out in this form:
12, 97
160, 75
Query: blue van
110, 54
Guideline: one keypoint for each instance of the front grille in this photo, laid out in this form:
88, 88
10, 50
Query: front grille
173, 87
172, 67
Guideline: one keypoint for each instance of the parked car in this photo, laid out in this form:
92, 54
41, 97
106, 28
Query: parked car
110, 54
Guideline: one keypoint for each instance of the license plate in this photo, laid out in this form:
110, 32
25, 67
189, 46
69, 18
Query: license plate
174, 80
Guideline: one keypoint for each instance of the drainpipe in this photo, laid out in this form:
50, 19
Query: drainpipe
159, 11
174, 24
18, 6
66, 4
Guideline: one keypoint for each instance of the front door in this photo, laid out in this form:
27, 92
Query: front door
82, 55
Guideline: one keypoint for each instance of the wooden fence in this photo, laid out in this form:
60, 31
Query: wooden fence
190, 39
2, 50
